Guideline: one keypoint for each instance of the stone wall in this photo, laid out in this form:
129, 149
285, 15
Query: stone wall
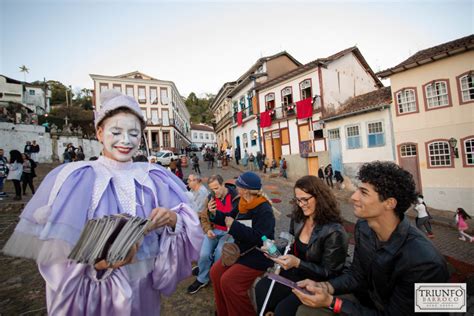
15, 136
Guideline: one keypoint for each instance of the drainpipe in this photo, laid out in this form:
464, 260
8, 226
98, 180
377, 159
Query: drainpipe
392, 136
259, 137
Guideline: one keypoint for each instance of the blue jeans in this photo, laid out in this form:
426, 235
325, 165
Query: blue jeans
211, 251
1, 183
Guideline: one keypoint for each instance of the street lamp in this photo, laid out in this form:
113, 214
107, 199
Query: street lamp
452, 143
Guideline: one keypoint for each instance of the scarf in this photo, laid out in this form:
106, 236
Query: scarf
245, 207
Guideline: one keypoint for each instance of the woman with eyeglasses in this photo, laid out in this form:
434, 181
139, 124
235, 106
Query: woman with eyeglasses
320, 248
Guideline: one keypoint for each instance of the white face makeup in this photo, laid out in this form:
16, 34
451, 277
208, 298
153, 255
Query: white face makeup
121, 136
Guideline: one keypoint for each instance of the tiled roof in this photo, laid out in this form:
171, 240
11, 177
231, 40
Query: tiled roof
202, 127
431, 54
362, 103
322, 61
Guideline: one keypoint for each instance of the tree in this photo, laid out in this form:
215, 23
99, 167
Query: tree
58, 92
199, 108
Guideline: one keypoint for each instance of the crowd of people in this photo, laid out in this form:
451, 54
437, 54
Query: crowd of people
222, 228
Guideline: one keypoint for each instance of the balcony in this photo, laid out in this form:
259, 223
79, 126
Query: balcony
223, 122
247, 112
289, 111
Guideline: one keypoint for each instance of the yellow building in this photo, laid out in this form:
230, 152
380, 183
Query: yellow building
433, 121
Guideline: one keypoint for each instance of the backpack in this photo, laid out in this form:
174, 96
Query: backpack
284, 164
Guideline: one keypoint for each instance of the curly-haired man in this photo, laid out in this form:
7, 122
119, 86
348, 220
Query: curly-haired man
390, 255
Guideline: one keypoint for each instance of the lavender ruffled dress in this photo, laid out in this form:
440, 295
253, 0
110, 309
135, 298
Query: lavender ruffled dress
73, 193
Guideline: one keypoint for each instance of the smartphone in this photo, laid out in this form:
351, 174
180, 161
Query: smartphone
287, 282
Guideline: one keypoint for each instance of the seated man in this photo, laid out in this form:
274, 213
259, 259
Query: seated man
390, 255
224, 198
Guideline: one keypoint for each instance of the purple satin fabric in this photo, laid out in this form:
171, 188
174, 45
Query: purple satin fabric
72, 289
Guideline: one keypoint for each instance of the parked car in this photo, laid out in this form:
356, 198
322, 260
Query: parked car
164, 157
193, 147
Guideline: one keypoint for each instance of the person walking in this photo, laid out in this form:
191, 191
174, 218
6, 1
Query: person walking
195, 161
321, 173
15, 169
237, 154
35, 148
283, 167
328, 174
28, 173
461, 218
251, 162
3, 172
423, 217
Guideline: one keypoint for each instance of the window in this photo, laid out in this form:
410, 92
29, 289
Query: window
408, 150
245, 140
129, 91
201, 136
353, 137
375, 134
166, 139
195, 135
253, 137
165, 117
103, 87
141, 94
406, 101
468, 151
466, 84
270, 101
207, 136
439, 154
164, 96
436, 94
117, 87
334, 134
144, 114
249, 102
212, 136
154, 117
32, 92
287, 96
305, 88
153, 95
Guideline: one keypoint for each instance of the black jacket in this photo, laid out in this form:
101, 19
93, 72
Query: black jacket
387, 272
263, 223
326, 252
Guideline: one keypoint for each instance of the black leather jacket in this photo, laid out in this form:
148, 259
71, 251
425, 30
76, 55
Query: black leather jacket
386, 272
326, 252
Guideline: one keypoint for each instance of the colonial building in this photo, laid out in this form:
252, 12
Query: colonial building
433, 121
221, 107
203, 135
360, 131
244, 98
168, 119
292, 104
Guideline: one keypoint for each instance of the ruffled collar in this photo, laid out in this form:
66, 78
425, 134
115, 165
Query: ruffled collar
114, 164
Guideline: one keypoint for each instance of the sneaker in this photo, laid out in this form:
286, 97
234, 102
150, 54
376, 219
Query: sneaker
195, 287
195, 271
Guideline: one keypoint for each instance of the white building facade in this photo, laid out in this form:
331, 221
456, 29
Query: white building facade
36, 98
203, 135
325, 83
167, 118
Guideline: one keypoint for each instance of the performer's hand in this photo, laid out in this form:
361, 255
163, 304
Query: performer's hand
228, 221
211, 206
319, 297
211, 234
161, 216
286, 261
103, 264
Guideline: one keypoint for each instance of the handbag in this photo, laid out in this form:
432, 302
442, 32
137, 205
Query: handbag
231, 253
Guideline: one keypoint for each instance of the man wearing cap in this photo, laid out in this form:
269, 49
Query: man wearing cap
247, 224
224, 198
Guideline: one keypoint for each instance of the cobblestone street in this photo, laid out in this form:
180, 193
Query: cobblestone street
22, 292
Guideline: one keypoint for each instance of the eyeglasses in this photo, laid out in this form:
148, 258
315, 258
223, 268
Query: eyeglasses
302, 201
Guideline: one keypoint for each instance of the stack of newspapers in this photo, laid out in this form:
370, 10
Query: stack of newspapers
109, 238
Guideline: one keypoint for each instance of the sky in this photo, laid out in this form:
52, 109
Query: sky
200, 45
